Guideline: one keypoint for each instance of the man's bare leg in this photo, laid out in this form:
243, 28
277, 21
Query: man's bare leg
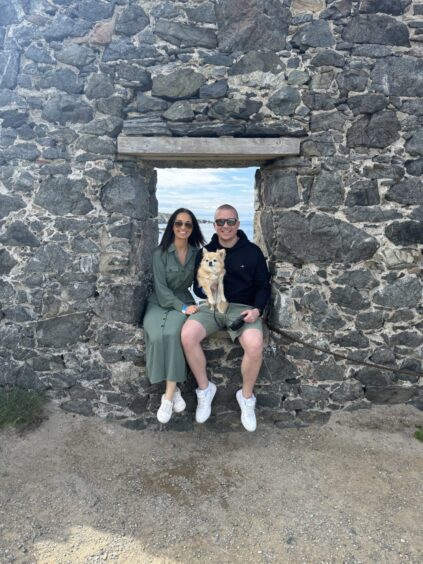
192, 335
252, 342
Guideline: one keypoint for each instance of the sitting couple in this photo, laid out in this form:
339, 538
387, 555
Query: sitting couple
175, 326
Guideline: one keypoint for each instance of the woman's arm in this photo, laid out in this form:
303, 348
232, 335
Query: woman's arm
165, 295
197, 290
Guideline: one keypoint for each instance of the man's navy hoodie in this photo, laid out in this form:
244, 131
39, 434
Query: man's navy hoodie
247, 276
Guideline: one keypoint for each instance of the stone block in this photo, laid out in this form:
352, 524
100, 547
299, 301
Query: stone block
393, 7
329, 371
347, 391
327, 190
234, 108
82, 407
61, 195
245, 25
348, 298
120, 303
378, 131
65, 108
405, 233
9, 68
7, 262
18, 234
414, 145
60, 332
373, 214
132, 20
390, 394
315, 34
257, 61
405, 292
414, 167
279, 189
319, 238
367, 103
327, 120
9, 204
328, 58
379, 29
125, 50
179, 84
186, 35
399, 76
363, 193
204, 13
127, 195
284, 101
133, 76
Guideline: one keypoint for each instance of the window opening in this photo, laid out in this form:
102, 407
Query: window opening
202, 190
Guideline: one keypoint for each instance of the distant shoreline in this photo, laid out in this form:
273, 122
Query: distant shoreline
163, 217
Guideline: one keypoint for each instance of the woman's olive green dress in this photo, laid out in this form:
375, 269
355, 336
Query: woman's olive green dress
163, 318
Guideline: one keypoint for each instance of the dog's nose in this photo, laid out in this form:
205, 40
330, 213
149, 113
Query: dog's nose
210, 263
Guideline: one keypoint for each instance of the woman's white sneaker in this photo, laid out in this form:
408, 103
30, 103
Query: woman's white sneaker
248, 416
178, 401
165, 410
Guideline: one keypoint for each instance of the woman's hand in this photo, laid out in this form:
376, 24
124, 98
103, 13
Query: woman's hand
191, 309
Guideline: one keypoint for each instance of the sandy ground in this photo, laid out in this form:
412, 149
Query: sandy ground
81, 490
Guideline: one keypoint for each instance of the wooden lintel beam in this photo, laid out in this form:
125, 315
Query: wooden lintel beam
208, 148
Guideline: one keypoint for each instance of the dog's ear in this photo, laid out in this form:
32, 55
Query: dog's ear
221, 252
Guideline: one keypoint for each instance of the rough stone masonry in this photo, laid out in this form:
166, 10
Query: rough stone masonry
342, 224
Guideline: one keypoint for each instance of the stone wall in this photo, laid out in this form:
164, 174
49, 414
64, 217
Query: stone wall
341, 224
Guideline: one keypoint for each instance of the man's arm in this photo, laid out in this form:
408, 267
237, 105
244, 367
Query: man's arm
261, 283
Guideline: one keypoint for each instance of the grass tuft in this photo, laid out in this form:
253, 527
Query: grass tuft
20, 408
419, 434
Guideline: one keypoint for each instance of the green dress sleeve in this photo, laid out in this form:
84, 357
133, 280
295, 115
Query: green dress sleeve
164, 294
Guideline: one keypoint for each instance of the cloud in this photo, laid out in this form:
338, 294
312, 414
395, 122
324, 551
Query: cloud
202, 190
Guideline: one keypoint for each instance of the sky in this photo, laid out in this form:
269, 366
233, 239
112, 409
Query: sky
202, 190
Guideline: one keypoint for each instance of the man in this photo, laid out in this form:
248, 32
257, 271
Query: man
247, 290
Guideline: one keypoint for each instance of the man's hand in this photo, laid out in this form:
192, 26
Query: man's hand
251, 315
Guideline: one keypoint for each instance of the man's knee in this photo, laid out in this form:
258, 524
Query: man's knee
252, 343
192, 333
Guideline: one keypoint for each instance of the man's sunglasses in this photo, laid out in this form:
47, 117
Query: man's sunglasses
230, 221
186, 224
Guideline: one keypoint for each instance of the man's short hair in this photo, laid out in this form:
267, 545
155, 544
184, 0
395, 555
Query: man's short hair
227, 207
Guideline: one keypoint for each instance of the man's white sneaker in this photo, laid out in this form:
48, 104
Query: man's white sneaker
178, 401
204, 399
164, 412
248, 417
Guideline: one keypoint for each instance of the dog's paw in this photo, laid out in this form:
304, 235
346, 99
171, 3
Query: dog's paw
222, 307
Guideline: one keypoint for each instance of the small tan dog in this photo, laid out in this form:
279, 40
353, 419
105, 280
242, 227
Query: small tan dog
210, 278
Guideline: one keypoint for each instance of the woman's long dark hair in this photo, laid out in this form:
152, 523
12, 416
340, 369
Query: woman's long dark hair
196, 239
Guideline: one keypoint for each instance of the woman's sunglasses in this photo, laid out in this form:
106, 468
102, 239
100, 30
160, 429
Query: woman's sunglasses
186, 224
221, 222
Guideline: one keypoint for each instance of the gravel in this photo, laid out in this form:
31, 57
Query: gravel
82, 490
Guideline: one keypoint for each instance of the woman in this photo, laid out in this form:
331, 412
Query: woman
168, 307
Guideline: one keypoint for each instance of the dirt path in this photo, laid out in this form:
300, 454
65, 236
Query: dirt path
80, 490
